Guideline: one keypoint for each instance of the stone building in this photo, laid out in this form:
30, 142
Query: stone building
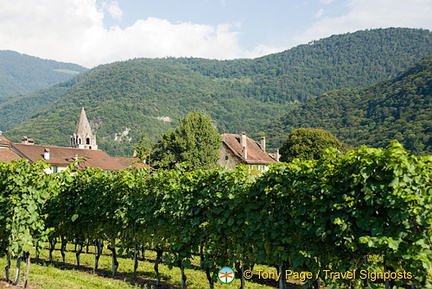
240, 149
83, 137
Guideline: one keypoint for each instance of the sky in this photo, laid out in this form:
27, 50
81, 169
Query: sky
94, 32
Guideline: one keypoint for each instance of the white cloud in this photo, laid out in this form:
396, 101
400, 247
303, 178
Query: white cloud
49, 28
113, 9
155, 37
369, 14
73, 31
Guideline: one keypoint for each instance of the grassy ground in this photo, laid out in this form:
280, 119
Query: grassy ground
56, 274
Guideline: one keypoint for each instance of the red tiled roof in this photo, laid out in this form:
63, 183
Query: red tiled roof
6, 155
63, 156
4, 142
255, 155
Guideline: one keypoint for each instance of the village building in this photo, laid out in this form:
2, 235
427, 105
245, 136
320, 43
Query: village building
240, 149
83, 137
235, 149
83, 148
6, 153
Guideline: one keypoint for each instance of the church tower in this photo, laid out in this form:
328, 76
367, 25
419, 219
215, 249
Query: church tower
83, 137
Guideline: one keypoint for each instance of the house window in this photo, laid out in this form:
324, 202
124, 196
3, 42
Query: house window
88, 140
226, 158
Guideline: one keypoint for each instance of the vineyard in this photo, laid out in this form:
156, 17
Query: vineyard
368, 211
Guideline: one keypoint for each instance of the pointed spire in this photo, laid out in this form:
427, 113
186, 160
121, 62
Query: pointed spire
83, 136
83, 125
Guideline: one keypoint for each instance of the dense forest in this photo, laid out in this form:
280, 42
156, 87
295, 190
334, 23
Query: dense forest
125, 99
19, 108
20, 73
399, 108
348, 60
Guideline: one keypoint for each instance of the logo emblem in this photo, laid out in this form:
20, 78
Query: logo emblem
226, 275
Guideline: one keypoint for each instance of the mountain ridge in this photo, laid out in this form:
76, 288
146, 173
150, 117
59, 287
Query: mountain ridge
399, 108
22, 73
150, 95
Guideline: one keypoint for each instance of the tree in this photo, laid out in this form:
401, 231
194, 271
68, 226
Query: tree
143, 148
308, 143
195, 141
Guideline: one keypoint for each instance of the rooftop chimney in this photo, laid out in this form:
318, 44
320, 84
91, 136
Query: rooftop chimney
263, 143
26, 140
243, 142
75, 157
46, 154
277, 155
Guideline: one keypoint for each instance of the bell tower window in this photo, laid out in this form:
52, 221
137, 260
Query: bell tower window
83, 136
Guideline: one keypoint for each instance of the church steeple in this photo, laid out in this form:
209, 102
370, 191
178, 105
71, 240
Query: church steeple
83, 137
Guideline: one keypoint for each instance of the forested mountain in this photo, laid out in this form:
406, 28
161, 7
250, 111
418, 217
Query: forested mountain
139, 96
19, 108
127, 98
348, 60
20, 73
399, 108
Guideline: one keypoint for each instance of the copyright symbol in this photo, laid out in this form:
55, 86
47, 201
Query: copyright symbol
248, 274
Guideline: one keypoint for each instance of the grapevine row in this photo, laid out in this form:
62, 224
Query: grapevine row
370, 209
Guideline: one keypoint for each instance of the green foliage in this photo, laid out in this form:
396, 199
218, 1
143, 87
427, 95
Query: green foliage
343, 210
25, 189
349, 60
31, 104
20, 73
239, 95
308, 144
376, 202
281, 195
369, 209
195, 141
143, 148
399, 108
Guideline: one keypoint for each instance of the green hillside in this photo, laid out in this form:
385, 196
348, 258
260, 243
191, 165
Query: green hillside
20, 73
19, 108
399, 108
348, 60
150, 95
142, 96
